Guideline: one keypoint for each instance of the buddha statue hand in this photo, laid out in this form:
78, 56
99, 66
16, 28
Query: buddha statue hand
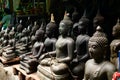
75, 60
22, 56
43, 56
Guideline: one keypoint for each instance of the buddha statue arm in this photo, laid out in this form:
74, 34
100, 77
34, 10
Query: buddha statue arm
40, 51
110, 69
86, 56
48, 54
70, 50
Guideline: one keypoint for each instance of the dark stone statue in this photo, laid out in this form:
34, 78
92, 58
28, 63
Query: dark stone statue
9, 50
115, 44
29, 61
58, 65
19, 31
98, 20
50, 40
98, 68
23, 44
81, 53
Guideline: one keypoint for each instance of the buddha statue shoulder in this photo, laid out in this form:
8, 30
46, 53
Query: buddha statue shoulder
115, 44
98, 68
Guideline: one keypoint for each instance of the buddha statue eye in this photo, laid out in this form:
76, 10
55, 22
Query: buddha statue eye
94, 46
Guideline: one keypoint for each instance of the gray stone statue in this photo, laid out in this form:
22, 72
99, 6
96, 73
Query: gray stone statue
98, 68
9, 50
58, 60
50, 40
29, 61
81, 52
115, 44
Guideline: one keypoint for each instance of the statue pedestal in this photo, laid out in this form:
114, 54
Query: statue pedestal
14, 60
45, 73
23, 75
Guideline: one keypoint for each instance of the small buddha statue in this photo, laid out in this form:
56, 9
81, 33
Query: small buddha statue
57, 61
29, 61
9, 50
98, 68
19, 31
81, 53
32, 34
115, 44
23, 45
50, 33
5, 40
75, 19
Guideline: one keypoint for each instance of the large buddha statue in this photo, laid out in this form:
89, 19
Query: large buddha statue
98, 68
81, 53
50, 35
54, 65
115, 44
29, 60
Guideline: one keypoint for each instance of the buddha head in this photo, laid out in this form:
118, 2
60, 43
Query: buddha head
98, 20
12, 33
116, 30
51, 27
20, 27
98, 44
39, 34
65, 25
75, 16
83, 23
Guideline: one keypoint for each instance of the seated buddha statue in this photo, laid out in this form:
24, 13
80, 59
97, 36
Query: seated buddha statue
9, 50
81, 52
33, 31
98, 68
23, 45
50, 35
5, 39
54, 65
115, 44
29, 61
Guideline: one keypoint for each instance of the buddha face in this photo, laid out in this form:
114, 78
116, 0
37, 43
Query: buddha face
39, 35
95, 51
63, 29
48, 31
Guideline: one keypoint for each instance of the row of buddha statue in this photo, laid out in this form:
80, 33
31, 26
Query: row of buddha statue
74, 55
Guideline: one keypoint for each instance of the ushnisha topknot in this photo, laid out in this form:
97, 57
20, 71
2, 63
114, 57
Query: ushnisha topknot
66, 20
117, 26
84, 20
98, 19
100, 37
52, 23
